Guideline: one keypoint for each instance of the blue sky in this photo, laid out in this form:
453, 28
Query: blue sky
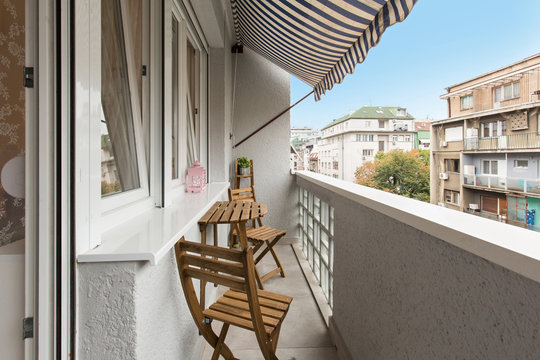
441, 43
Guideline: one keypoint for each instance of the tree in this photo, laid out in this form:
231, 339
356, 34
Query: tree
400, 172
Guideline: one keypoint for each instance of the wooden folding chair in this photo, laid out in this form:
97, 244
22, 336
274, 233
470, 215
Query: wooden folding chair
243, 305
259, 234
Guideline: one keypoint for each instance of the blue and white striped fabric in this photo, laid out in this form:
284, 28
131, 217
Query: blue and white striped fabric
318, 41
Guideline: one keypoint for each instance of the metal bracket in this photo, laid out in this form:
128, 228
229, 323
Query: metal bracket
143, 70
28, 77
28, 328
237, 49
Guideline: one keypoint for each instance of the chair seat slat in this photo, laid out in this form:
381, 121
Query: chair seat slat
206, 217
233, 320
278, 314
245, 314
270, 303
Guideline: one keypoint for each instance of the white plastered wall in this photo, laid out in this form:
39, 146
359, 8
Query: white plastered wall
262, 92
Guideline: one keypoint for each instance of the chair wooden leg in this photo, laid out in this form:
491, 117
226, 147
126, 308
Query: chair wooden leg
220, 342
278, 263
259, 280
275, 338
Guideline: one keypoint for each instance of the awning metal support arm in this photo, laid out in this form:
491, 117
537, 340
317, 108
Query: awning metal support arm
272, 120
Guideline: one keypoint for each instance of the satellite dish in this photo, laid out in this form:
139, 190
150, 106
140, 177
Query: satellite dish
12, 177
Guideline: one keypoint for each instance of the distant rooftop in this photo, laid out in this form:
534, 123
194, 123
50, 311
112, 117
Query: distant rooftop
373, 112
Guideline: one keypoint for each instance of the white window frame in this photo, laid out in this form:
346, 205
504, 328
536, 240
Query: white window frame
489, 172
118, 200
521, 167
466, 102
454, 197
515, 94
175, 188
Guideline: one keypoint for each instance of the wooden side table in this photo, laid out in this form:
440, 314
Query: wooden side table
236, 213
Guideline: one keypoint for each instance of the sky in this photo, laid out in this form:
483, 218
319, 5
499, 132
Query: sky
441, 43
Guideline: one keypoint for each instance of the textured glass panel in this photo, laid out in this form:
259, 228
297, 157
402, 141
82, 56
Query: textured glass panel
310, 254
324, 238
324, 281
317, 236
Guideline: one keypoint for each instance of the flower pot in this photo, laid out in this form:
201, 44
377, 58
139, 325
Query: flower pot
243, 170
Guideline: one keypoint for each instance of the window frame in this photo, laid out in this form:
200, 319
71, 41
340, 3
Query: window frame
490, 167
521, 167
468, 102
449, 169
502, 88
115, 201
187, 31
450, 197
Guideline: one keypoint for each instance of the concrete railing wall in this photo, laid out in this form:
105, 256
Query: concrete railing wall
404, 293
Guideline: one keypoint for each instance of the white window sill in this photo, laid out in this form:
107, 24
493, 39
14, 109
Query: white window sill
151, 234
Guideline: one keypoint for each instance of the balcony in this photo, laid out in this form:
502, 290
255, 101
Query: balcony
408, 279
529, 140
495, 182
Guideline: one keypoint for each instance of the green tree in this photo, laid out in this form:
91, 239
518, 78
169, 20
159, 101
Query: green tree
400, 172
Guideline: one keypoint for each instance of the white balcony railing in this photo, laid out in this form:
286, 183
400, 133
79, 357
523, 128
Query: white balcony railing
408, 279
531, 186
530, 140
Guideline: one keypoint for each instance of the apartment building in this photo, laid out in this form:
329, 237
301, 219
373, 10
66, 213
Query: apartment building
348, 142
486, 154
422, 134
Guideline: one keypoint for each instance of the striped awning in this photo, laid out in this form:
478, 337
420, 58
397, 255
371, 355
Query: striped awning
318, 41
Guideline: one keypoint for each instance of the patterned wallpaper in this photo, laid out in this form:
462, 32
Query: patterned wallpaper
11, 112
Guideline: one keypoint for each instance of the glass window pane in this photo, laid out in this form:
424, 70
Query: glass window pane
494, 167
120, 95
193, 101
516, 89
498, 94
507, 91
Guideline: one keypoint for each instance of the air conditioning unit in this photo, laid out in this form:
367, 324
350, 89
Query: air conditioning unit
444, 144
474, 206
443, 176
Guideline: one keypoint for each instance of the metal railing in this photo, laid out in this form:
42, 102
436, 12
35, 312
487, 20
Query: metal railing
531, 186
529, 140
317, 236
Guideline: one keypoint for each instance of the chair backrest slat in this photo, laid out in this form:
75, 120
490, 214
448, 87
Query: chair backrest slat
229, 281
222, 253
231, 268
245, 194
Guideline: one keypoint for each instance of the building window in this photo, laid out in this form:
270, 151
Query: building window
506, 92
400, 137
453, 133
489, 129
394, 138
401, 112
466, 102
451, 165
407, 138
490, 167
381, 124
336, 165
521, 164
364, 137
367, 152
451, 197
368, 124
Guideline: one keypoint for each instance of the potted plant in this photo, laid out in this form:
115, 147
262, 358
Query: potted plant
243, 165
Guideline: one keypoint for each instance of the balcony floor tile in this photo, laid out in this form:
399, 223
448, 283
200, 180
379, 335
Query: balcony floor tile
303, 335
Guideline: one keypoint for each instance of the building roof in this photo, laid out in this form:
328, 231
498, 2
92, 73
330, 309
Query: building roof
422, 125
372, 112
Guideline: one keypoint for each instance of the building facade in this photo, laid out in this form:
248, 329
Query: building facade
486, 155
422, 135
348, 142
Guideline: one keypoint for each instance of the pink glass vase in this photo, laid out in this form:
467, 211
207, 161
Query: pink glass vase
196, 178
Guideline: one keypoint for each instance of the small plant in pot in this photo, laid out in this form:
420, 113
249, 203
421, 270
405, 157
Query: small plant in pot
243, 166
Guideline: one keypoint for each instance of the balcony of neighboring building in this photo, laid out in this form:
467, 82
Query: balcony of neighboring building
521, 141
